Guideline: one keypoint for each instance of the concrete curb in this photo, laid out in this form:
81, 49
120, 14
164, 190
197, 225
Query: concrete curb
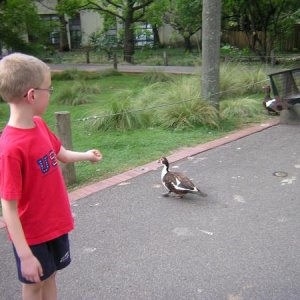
181, 154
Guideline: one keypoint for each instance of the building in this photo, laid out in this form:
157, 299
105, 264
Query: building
78, 27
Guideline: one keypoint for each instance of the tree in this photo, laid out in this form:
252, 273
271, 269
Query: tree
267, 17
211, 34
128, 12
186, 18
20, 19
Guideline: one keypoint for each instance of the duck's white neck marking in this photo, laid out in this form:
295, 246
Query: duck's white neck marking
164, 171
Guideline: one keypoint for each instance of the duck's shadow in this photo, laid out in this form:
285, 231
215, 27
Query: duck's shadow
192, 199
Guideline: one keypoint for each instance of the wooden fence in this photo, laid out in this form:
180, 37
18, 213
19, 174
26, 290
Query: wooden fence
239, 39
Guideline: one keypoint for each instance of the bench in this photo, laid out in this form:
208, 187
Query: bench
286, 87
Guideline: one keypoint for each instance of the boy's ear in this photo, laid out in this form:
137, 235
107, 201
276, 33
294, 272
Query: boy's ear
30, 96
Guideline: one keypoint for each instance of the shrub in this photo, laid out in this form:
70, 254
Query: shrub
75, 74
120, 116
189, 115
76, 94
240, 111
238, 80
155, 76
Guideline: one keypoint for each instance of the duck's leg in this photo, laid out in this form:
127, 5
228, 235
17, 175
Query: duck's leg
166, 194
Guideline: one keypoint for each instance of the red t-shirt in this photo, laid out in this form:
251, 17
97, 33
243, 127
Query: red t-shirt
30, 174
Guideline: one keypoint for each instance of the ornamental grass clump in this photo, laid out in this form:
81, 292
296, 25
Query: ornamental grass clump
189, 115
155, 76
237, 80
183, 107
75, 74
240, 111
76, 94
120, 116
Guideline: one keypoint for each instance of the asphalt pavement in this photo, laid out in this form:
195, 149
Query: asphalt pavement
240, 243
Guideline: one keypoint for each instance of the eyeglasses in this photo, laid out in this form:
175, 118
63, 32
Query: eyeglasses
50, 90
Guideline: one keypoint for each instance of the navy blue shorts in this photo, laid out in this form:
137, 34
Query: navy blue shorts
53, 255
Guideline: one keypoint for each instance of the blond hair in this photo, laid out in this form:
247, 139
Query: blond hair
19, 73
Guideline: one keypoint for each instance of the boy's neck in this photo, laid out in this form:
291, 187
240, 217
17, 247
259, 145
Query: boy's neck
20, 117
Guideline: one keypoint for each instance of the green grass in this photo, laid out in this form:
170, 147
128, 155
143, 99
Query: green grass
158, 125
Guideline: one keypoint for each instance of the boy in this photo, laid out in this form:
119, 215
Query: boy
34, 198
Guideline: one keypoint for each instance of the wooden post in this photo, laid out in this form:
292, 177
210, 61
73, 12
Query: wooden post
165, 58
87, 56
63, 130
115, 61
273, 58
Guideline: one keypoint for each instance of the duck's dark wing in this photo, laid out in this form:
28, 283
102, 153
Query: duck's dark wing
170, 181
183, 182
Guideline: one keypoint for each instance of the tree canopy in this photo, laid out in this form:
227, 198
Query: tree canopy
18, 19
185, 17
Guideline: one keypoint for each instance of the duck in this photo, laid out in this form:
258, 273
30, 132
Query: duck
273, 106
177, 182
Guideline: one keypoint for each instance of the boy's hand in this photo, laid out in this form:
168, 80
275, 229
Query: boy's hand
95, 155
31, 269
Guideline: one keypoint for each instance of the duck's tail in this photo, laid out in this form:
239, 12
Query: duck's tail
200, 193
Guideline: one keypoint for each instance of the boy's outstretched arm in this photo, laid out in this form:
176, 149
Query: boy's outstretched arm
30, 267
68, 156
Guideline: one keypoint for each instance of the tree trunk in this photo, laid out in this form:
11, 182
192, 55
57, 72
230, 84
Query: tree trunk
211, 33
156, 39
187, 44
129, 37
63, 36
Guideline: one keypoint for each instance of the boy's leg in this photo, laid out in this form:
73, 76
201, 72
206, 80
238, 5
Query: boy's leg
53, 255
32, 291
45, 290
49, 289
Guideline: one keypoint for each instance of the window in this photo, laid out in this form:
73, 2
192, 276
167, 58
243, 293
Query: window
53, 21
75, 31
144, 35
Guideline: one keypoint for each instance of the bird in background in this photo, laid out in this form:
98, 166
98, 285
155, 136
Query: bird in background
272, 105
177, 182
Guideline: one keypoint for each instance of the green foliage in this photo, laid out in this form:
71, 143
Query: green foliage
182, 106
69, 7
241, 111
155, 76
102, 42
189, 115
75, 74
20, 19
76, 94
238, 80
121, 116
185, 17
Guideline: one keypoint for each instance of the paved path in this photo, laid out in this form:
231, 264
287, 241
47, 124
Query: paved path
127, 68
241, 242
